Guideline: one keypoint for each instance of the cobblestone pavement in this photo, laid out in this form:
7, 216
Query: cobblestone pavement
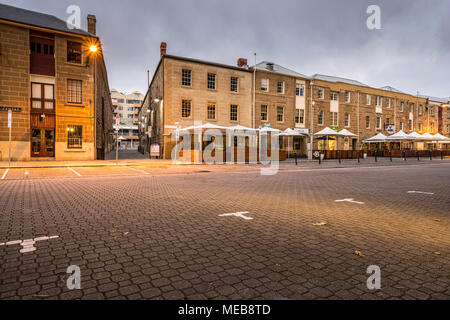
159, 236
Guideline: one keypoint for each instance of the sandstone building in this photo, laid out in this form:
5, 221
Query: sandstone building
54, 80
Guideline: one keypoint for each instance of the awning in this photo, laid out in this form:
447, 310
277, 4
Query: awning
400, 136
328, 132
291, 133
376, 139
346, 133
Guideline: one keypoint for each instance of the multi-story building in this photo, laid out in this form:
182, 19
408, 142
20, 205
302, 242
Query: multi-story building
127, 107
54, 80
184, 90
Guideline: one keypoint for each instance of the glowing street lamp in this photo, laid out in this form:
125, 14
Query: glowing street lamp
93, 48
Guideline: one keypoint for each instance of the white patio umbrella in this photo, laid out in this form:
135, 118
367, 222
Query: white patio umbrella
204, 127
241, 128
376, 139
415, 135
328, 132
439, 137
400, 136
291, 133
269, 129
346, 133
427, 137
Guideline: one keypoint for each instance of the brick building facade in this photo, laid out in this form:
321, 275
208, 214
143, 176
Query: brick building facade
57, 87
283, 99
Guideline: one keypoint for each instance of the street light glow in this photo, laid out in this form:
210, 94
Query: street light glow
93, 48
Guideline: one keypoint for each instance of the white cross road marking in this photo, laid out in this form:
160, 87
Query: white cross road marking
237, 214
349, 200
75, 172
28, 245
4, 174
420, 192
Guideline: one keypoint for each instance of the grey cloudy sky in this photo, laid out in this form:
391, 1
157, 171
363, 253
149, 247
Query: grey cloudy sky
411, 52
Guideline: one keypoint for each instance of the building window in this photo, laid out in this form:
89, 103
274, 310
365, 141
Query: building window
320, 118
74, 137
347, 120
432, 127
421, 110
410, 125
211, 111
74, 91
402, 127
300, 90
234, 84
42, 96
388, 102
334, 119
448, 129
420, 127
211, 81
378, 123
431, 111
74, 52
265, 85
334, 96
388, 122
280, 114
186, 77
263, 113
411, 108
368, 99
280, 87
367, 122
347, 96
402, 105
320, 93
186, 109
233, 112
379, 101
448, 112
300, 116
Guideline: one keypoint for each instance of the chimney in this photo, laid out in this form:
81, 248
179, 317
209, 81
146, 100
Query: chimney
92, 24
242, 62
163, 49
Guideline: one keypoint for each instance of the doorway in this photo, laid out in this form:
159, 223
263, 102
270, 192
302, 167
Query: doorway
43, 143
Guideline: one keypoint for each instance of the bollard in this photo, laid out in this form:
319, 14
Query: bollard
431, 155
442, 155
339, 156
295, 156
320, 158
390, 155
404, 155
359, 161
418, 155
376, 156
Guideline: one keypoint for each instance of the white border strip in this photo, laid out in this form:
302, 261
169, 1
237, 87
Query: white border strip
4, 174
75, 172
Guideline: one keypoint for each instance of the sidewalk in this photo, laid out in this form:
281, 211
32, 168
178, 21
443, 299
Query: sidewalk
93, 163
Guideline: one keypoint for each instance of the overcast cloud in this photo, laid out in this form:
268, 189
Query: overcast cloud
411, 52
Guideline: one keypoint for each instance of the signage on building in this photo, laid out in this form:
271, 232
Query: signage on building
154, 150
335, 128
9, 118
13, 109
391, 129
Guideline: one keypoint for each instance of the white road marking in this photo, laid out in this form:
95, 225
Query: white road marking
28, 245
349, 200
75, 172
4, 174
237, 214
141, 171
420, 192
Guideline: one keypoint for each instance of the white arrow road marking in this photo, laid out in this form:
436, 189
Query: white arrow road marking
420, 192
4, 175
28, 245
237, 214
349, 200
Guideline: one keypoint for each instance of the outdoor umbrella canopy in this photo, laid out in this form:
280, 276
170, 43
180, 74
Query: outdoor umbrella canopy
400, 136
241, 128
328, 132
346, 133
440, 137
291, 133
427, 136
415, 135
378, 138
268, 129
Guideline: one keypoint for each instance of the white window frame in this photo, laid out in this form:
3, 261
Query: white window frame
282, 87
368, 99
321, 93
347, 120
265, 85
334, 96
348, 96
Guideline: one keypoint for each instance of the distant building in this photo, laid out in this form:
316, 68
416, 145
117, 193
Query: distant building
127, 107
55, 81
